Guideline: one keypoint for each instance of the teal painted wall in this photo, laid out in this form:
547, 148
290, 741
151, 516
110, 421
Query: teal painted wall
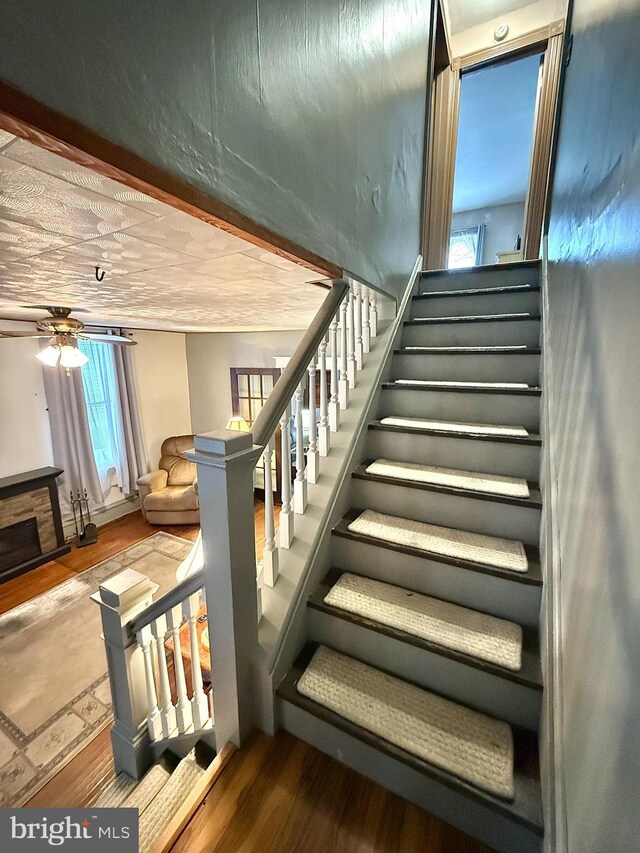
306, 115
593, 362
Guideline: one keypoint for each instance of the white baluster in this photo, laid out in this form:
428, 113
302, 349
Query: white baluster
285, 534
300, 484
183, 707
154, 724
313, 456
324, 433
259, 586
343, 383
357, 288
334, 405
366, 322
167, 711
374, 314
270, 551
352, 365
199, 705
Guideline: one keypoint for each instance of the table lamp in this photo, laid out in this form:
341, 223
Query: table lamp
237, 424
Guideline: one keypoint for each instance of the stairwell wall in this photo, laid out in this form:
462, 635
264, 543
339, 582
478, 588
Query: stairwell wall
592, 327
307, 117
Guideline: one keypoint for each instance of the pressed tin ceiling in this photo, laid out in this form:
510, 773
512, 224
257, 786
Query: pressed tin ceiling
163, 268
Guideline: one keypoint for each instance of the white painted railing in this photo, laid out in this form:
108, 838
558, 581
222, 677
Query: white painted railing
147, 642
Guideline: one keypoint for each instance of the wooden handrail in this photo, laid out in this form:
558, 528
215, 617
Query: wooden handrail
179, 593
265, 424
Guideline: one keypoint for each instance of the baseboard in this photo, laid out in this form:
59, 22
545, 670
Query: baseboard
551, 747
103, 516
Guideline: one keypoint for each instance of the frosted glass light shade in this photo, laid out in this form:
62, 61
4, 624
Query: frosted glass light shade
49, 356
238, 424
71, 356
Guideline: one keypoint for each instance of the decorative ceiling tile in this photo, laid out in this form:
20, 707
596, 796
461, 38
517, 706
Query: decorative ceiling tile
19, 241
6, 138
120, 253
52, 164
187, 234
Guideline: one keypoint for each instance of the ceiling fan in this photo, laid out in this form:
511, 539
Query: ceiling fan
64, 332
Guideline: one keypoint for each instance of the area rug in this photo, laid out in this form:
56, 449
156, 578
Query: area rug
54, 686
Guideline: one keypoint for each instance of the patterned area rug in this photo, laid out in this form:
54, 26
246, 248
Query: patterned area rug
54, 687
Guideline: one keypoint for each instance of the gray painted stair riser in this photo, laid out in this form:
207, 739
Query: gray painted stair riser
465, 406
480, 278
476, 515
452, 806
478, 689
485, 457
485, 333
498, 596
456, 306
472, 367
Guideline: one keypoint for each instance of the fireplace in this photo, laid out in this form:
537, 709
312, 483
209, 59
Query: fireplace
30, 523
19, 543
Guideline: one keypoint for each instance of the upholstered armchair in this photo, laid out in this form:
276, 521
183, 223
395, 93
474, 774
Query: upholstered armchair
170, 494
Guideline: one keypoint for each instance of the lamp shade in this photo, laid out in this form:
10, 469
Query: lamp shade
71, 356
49, 356
238, 424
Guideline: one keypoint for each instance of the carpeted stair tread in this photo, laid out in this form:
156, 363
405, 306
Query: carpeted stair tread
456, 426
507, 554
516, 316
467, 631
506, 349
115, 793
446, 383
479, 291
493, 484
469, 745
167, 802
147, 789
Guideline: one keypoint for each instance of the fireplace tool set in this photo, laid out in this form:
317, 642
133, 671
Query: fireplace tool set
86, 533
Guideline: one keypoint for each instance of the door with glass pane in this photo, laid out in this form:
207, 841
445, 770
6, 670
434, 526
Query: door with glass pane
250, 387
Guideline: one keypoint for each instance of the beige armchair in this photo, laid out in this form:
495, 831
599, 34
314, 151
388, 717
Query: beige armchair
170, 494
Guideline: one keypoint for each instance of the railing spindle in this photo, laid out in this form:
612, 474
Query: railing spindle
352, 366
334, 405
270, 551
313, 456
183, 706
374, 315
167, 711
324, 434
300, 484
357, 297
154, 724
199, 705
285, 533
366, 322
343, 384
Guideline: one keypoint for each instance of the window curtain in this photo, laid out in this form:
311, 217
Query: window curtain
134, 461
71, 436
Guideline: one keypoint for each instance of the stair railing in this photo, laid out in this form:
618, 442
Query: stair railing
147, 641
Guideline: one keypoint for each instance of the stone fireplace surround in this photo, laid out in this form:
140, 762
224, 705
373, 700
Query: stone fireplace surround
33, 494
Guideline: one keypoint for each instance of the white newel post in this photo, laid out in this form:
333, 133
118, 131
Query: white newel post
121, 598
300, 483
366, 323
270, 551
352, 367
226, 461
324, 433
357, 295
313, 456
343, 383
286, 527
334, 404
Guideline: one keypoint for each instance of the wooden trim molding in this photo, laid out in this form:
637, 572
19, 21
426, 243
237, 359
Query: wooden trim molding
528, 42
541, 151
32, 120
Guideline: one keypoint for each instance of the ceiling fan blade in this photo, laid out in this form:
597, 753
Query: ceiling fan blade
24, 335
48, 308
99, 338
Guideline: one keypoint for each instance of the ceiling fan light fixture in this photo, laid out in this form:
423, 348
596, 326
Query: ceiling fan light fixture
49, 356
71, 356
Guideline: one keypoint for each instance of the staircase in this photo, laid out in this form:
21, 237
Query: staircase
422, 669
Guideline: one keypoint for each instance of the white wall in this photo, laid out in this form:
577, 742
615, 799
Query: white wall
520, 21
162, 383
25, 434
502, 224
210, 358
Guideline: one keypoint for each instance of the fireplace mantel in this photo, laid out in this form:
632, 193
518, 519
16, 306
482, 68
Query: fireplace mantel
33, 494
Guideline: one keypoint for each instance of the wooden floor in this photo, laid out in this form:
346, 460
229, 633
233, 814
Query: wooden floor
276, 795
279, 795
